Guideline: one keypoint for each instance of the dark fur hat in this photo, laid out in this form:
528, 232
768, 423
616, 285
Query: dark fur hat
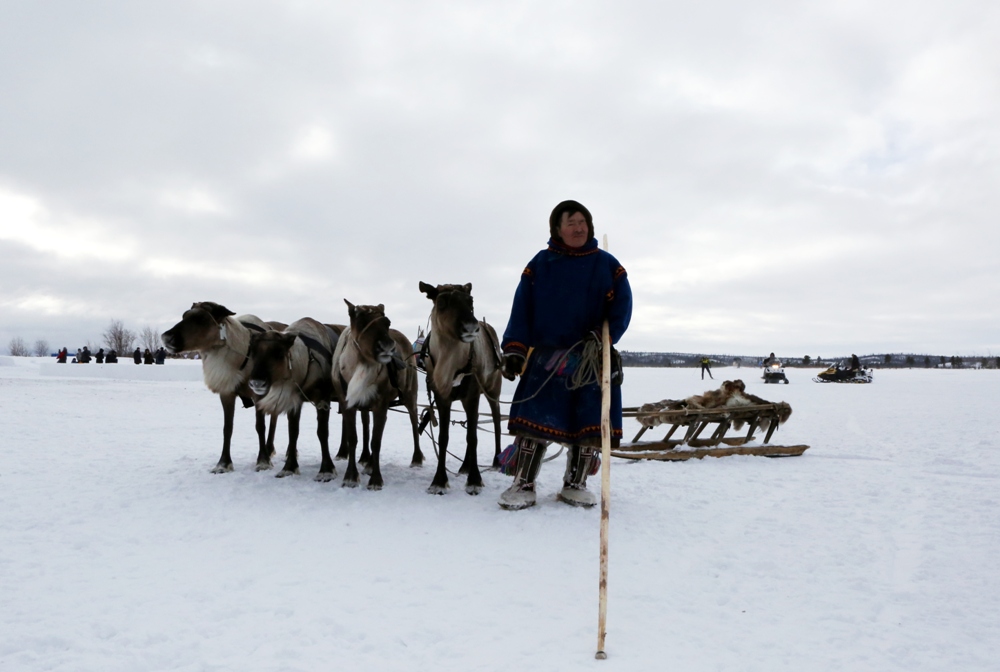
569, 208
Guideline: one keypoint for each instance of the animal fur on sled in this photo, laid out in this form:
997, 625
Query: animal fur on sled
731, 394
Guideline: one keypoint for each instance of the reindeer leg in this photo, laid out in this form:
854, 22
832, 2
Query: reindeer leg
327, 471
344, 447
495, 412
375, 481
366, 455
272, 426
292, 454
474, 483
350, 431
228, 410
264, 452
439, 485
418, 456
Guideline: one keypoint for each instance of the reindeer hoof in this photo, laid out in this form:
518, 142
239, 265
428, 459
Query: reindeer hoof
222, 468
416, 464
286, 472
263, 466
349, 483
325, 476
374, 486
473, 489
418, 460
437, 489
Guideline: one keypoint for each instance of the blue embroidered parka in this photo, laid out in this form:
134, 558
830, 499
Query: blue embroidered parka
564, 294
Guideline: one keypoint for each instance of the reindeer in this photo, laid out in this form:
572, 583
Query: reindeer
372, 367
290, 367
344, 449
462, 363
223, 342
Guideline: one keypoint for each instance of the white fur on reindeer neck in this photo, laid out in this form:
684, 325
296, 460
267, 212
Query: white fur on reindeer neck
221, 363
362, 377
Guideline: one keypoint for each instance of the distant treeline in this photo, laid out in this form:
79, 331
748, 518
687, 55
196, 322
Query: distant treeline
894, 360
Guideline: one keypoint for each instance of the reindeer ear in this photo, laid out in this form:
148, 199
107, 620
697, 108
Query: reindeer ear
467, 288
430, 290
217, 311
350, 308
287, 340
380, 308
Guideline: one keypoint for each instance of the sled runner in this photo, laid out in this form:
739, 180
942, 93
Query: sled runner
695, 419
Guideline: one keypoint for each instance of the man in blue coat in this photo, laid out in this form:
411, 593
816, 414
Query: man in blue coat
565, 294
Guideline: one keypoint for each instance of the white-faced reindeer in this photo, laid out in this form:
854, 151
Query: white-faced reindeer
223, 343
373, 367
291, 367
462, 363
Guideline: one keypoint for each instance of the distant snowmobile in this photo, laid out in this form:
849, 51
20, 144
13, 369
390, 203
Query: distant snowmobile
774, 372
835, 374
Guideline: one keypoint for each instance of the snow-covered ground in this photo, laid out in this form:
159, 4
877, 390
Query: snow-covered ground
876, 550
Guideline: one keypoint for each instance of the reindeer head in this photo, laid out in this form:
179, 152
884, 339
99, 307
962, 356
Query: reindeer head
199, 329
453, 315
370, 331
270, 352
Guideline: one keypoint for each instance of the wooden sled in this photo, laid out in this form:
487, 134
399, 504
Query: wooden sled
696, 420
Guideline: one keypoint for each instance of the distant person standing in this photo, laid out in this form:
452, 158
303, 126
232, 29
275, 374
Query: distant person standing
85, 355
137, 356
855, 362
147, 357
161, 355
99, 356
706, 367
61, 356
112, 357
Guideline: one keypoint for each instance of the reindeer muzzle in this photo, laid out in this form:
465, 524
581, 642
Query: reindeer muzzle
259, 387
171, 343
386, 353
469, 332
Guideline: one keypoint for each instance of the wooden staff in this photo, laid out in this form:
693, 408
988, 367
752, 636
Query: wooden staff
602, 612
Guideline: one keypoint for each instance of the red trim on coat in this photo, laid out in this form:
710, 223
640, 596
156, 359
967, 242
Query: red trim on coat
558, 434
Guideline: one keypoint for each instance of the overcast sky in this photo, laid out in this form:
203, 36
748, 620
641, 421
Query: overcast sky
808, 178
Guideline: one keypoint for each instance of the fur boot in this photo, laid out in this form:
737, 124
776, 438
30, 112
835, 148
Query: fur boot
580, 463
521, 494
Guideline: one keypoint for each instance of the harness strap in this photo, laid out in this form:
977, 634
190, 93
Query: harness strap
465, 370
316, 346
254, 327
